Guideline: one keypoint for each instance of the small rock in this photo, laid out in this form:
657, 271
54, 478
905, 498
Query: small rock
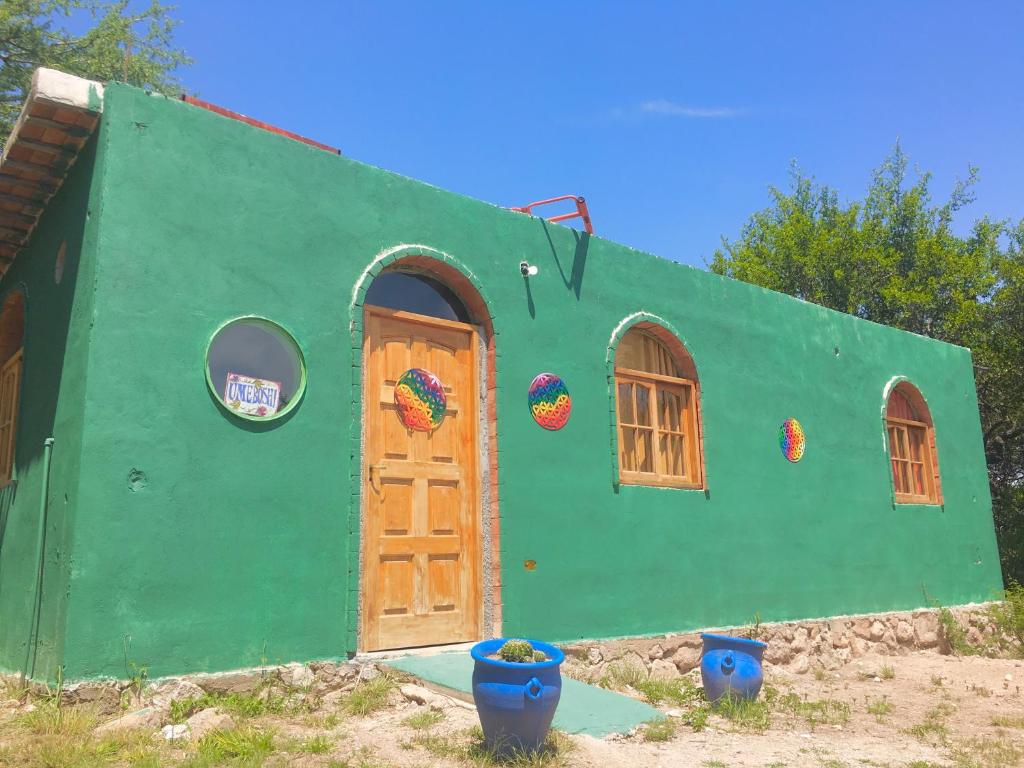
331, 676
686, 659
904, 633
369, 672
889, 640
231, 682
800, 642
926, 630
858, 647
779, 653
296, 675
163, 693
691, 641
663, 670
656, 652
862, 628
104, 696
673, 713
207, 721
877, 630
876, 679
594, 655
147, 717
174, 731
1008, 677
800, 664
424, 696
634, 660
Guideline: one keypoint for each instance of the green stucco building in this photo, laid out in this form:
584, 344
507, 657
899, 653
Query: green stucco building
297, 412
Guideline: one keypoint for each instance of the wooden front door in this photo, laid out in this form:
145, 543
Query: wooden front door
421, 531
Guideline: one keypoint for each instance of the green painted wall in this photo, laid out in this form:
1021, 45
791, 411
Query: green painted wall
52, 395
237, 548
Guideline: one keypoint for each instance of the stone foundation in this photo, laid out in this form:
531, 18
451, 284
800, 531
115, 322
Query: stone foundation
797, 646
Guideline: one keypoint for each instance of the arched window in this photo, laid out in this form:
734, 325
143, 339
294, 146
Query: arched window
12, 335
414, 292
915, 465
657, 396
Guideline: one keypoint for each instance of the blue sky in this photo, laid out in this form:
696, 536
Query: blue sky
672, 119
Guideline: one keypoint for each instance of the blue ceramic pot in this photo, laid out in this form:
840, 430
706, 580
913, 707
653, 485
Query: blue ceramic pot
731, 665
515, 701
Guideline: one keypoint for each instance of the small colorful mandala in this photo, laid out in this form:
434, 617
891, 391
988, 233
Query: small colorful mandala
549, 401
792, 440
421, 401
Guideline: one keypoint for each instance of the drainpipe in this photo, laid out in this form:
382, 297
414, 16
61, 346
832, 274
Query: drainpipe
33, 640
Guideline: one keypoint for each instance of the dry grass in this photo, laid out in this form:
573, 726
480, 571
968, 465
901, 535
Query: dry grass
51, 736
469, 747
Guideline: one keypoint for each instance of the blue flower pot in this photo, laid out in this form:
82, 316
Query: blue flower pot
731, 665
515, 701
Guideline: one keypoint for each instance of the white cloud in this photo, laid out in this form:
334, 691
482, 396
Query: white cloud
666, 107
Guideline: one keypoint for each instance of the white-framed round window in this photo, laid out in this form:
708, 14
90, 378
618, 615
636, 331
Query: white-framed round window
255, 368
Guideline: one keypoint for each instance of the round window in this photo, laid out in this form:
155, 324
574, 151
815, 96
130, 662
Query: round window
255, 368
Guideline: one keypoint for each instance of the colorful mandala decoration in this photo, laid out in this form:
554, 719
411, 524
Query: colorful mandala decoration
792, 440
420, 398
549, 401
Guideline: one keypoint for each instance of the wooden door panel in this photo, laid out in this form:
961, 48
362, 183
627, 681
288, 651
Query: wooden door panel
421, 533
398, 509
443, 507
444, 442
443, 582
398, 584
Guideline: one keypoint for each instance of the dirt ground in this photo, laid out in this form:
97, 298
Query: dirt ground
922, 710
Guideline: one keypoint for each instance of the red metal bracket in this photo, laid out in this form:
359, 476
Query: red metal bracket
581, 210
256, 123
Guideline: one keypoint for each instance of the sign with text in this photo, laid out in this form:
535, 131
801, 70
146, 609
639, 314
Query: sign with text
251, 396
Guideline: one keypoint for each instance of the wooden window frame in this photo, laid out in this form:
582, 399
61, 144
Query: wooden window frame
9, 426
908, 422
693, 479
899, 454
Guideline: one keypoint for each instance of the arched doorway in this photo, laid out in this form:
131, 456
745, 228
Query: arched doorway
422, 529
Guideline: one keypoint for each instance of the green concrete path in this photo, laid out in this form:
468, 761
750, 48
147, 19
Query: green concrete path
582, 708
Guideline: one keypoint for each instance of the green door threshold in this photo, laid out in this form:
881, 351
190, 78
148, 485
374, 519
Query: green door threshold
582, 708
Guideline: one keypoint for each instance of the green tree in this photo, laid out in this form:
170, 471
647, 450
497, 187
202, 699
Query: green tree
121, 44
895, 259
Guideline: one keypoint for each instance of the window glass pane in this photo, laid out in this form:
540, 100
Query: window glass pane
898, 441
645, 450
670, 406
630, 352
918, 474
672, 455
416, 293
627, 448
641, 351
625, 397
917, 438
893, 442
901, 477
643, 405
255, 368
899, 407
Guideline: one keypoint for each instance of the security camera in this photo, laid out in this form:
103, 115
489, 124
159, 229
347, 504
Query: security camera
527, 269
